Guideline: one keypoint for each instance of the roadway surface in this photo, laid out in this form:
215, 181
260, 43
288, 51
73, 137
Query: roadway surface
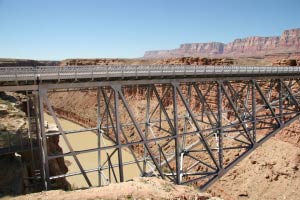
50, 73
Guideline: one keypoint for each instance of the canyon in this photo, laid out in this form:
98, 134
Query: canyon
277, 162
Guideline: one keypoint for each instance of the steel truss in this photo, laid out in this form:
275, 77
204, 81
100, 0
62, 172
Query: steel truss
187, 132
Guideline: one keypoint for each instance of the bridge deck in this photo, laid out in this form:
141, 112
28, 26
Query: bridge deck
59, 73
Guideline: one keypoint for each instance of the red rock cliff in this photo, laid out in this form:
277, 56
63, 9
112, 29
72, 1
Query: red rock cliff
288, 42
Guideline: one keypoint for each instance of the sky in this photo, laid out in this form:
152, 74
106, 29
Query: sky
60, 29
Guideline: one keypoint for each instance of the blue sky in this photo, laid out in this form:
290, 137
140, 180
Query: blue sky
59, 29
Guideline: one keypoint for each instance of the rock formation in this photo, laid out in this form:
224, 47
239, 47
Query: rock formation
24, 62
286, 62
166, 61
57, 166
194, 61
187, 50
255, 46
20, 169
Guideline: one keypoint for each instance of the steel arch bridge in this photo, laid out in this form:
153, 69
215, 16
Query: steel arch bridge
191, 123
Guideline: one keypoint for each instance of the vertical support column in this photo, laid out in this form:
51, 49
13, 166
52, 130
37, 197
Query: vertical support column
253, 111
38, 134
220, 129
177, 139
186, 117
30, 128
147, 124
29, 135
43, 139
117, 89
160, 117
99, 134
280, 90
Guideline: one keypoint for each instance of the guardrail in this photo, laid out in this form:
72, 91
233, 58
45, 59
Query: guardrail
122, 71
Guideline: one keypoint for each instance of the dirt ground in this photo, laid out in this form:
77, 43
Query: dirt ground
270, 172
139, 188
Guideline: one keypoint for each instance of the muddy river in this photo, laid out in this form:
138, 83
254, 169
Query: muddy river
88, 140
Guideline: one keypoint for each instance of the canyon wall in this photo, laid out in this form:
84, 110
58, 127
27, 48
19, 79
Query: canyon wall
210, 49
254, 46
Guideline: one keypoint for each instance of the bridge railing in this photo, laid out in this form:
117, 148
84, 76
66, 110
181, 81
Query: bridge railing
109, 71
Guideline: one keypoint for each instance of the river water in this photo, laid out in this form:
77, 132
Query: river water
88, 140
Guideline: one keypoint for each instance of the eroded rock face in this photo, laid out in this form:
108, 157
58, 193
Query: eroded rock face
286, 62
207, 49
254, 46
13, 169
290, 38
251, 46
16, 167
57, 166
189, 49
